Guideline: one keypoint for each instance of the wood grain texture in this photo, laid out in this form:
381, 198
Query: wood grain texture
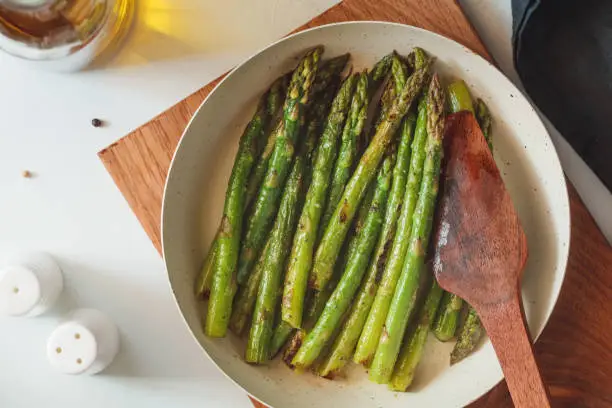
481, 251
574, 351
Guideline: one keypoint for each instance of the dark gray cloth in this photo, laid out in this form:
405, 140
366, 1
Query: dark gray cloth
563, 54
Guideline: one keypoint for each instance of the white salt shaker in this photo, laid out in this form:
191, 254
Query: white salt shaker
30, 284
85, 344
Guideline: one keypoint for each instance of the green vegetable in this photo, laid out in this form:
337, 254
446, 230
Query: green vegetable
347, 156
483, 116
275, 109
317, 300
304, 240
266, 203
277, 248
403, 301
387, 281
368, 342
246, 296
245, 299
267, 111
381, 69
355, 189
228, 242
225, 249
204, 278
459, 98
417, 58
357, 261
280, 337
414, 343
469, 337
344, 345
399, 70
329, 71
446, 322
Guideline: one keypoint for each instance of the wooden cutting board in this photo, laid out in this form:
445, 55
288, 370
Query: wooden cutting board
574, 351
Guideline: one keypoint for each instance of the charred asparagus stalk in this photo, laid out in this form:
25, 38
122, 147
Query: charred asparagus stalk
403, 303
354, 191
483, 116
245, 299
304, 240
414, 343
344, 345
349, 147
261, 126
318, 299
357, 262
228, 241
277, 248
388, 274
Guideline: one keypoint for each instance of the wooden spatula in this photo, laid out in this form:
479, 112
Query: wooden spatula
480, 253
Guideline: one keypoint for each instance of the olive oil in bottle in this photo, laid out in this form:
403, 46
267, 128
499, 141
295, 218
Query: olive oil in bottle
71, 33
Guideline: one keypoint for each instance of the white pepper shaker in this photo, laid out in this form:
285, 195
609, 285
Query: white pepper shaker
30, 284
85, 344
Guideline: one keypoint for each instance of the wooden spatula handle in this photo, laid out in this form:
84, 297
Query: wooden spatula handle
505, 325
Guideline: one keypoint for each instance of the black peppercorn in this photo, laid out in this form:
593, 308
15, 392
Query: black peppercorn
96, 122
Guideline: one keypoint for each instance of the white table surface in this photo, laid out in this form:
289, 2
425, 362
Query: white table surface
72, 209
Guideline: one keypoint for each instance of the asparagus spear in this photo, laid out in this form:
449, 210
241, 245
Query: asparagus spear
399, 70
344, 345
483, 116
469, 337
328, 72
246, 296
267, 110
381, 69
306, 234
368, 341
470, 333
277, 248
247, 293
357, 262
355, 189
275, 109
459, 98
318, 111
447, 320
393, 87
265, 206
204, 278
294, 345
318, 299
445, 324
228, 243
408, 283
245, 299
348, 149
417, 58
282, 332
414, 343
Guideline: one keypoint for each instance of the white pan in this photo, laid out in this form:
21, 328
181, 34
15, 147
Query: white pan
195, 191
